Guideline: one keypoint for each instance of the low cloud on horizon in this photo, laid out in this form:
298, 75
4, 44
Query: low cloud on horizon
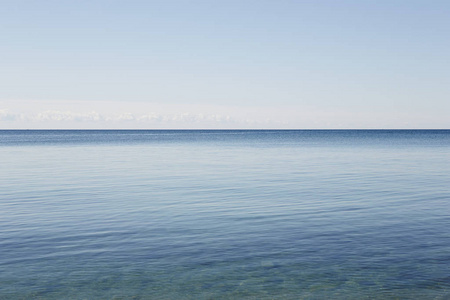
64, 119
27, 114
22, 114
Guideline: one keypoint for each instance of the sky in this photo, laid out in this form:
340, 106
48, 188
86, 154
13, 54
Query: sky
256, 64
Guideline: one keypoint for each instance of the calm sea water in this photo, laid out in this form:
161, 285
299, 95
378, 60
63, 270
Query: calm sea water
225, 214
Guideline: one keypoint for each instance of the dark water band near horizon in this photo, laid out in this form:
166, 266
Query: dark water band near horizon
224, 214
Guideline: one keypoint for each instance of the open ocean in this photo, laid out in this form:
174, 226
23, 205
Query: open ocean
225, 214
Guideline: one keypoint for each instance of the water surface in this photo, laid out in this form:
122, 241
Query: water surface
351, 214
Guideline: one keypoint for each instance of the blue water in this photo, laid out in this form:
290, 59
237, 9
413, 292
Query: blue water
360, 214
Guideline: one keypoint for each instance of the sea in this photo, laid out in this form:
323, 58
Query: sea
225, 214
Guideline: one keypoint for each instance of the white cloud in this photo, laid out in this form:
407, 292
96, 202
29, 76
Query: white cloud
123, 117
7, 116
66, 116
89, 116
34, 114
151, 117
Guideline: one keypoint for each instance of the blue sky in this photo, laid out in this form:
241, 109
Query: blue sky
225, 64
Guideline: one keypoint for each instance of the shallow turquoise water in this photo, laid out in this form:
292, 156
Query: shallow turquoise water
225, 214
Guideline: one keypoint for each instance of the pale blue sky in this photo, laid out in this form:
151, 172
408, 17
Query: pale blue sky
225, 64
